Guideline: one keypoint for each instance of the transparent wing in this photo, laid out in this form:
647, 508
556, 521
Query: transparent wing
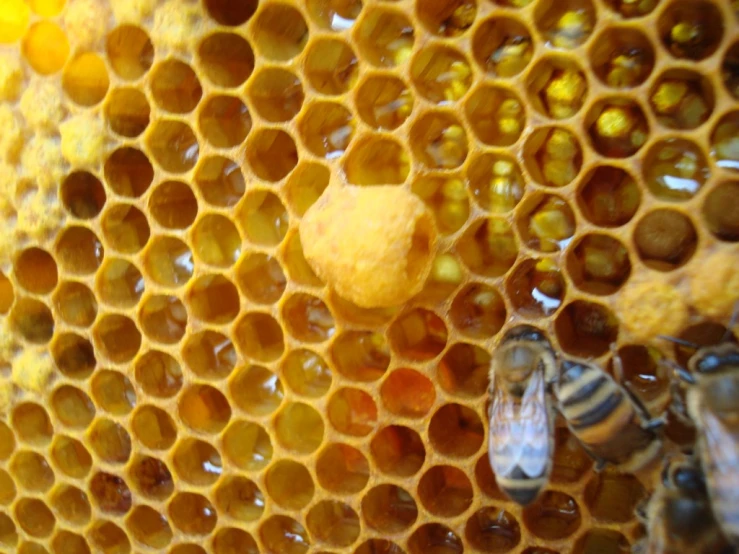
535, 427
519, 435
722, 447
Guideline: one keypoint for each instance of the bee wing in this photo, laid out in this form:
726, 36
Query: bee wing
519, 436
722, 447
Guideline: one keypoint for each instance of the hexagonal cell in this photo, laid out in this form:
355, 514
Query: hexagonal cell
263, 218
305, 185
75, 304
341, 468
418, 335
78, 250
168, 262
271, 154
72, 407
598, 264
478, 311
493, 529
280, 32
220, 181
306, 373
35, 270
127, 112
307, 318
113, 392
536, 287
586, 329
553, 156
682, 99
119, 283
228, 12
158, 374
175, 86
226, 59
724, 143
361, 355
617, 127
224, 121
553, 516
720, 211
445, 491
441, 74
154, 427
602, 541
289, 484
566, 24
384, 36
204, 408
163, 318
130, 52
675, 169
240, 499
71, 504
570, 462
609, 196
389, 509
209, 354
283, 535
34, 517
665, 239
110, 441
398, 451
495, 181
7, 488
463, 371
85, 79
488, 247
152, 478
107, 536
502, 46
330, 66
216, 240
260, 278
449, 18
333, 523
434, 537
73, 355
197, 462
82, 194
645, 372
259, 336
545, 222
383, 101
276, 94
372, 546
334, 15
456, 430
496, 115
256, 390
192, 513
730, 70
7, 295
117, 338
173, 145
32, 471
299, 427
149, 527
214, 299
326, 129
173, 205
622, 57
613, 497
447, 198
629, 8
376, 160
408, 393
125, 228
692, 29
66, 541
228, 541
45, 47
557, 87
71, 457
32, 424
352, 412
111, 493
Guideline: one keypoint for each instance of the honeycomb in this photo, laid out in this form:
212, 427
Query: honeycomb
178, 379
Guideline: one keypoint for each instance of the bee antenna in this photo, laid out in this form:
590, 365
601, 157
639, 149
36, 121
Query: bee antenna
679, 371
681, 342
732, 322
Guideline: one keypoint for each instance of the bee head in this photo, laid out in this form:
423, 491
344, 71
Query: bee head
715, 359
526, 333
684, 477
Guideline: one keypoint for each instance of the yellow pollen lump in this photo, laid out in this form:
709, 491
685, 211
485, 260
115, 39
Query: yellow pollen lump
652, 307
83, 140
714, 285
41, 104
11, 77
373, 245
614, 122
176, 23
39, 216
84, 21
43, 162
132, 10
11, 131
32, 370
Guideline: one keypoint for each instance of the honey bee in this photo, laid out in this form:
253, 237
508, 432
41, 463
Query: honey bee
712, 403
607, 418
521, 440
679, 517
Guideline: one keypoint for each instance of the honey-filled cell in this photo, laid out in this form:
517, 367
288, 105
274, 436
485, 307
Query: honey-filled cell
436, 537
389, 508
502, 46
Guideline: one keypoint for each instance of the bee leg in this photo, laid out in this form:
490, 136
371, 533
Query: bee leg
639, 547
641, 511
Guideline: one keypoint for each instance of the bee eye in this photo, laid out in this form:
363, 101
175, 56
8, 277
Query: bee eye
688, 479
